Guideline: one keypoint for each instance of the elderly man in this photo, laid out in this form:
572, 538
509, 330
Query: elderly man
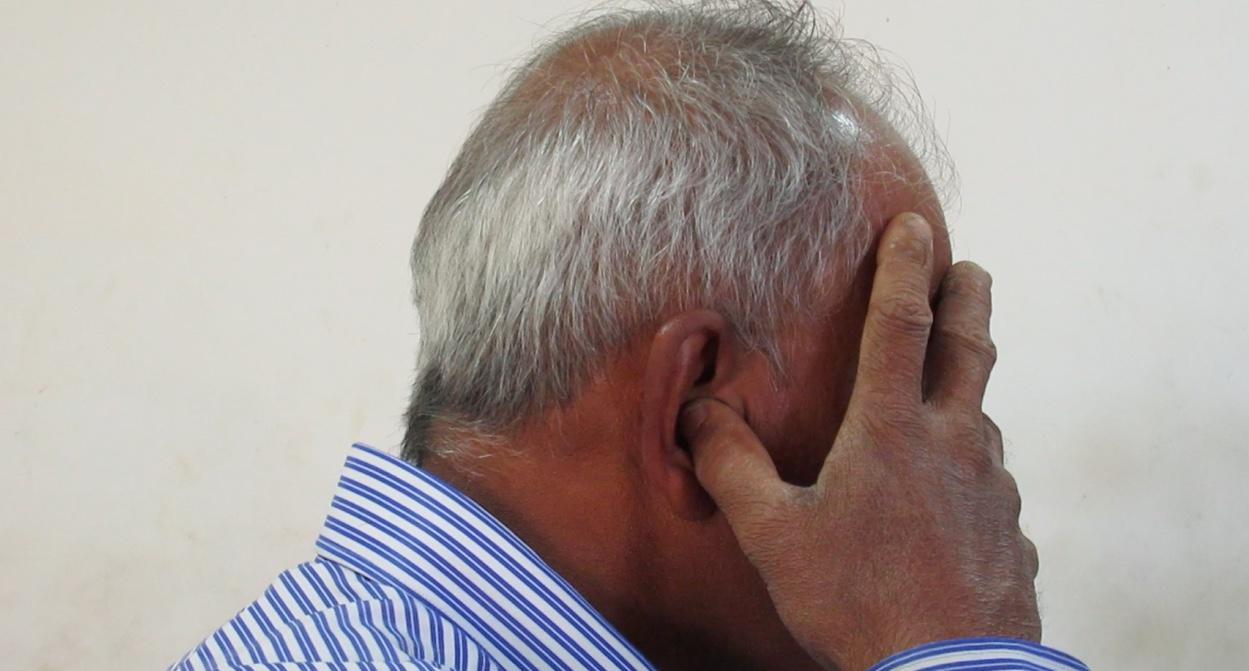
670, 410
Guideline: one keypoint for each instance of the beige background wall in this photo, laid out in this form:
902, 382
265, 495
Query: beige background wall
206, 209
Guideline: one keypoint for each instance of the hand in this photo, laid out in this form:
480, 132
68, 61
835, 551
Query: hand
911, 533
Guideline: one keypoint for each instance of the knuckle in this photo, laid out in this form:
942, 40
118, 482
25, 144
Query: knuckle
893, 420
906, 313
977, 461
1032, 559
993, 436
974, 454
994, 431
977, 344
1010, 494
1014, 503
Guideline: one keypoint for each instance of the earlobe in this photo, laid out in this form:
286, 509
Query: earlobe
693, 355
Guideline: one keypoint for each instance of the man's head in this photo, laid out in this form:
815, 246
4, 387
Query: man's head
660, 206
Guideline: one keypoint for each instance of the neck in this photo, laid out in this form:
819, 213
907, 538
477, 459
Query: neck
581, 521
578, 512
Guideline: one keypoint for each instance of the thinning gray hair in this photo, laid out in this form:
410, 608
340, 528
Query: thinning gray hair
642, 162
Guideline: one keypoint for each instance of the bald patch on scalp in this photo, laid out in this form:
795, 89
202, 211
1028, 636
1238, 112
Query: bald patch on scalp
608, 68
644, 60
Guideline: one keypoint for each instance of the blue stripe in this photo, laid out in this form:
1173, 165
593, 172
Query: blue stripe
470, 527
411, 612
318, 587
440, 653
483, 662
205, 656
986, 665
323, 590
415, 574
519, 573
226, 649
389, 622
337, 652
353, 637
245, 635
383, 644
301, 599
449, 543
297, 628
482, 601
411, 608
363, 608
297, 595
319, 617
266, 627
980, 644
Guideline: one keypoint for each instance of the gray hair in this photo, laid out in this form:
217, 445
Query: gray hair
642, 162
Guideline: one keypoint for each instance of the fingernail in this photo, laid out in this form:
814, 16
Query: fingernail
917, 241
691, 420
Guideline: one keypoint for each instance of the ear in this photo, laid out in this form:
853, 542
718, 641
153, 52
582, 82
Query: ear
693, 355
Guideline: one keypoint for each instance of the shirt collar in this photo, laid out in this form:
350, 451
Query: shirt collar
400, 525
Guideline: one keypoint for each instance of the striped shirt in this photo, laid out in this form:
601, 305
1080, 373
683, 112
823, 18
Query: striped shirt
411, 574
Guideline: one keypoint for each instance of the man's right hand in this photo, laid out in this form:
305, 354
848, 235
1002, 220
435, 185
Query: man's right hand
911, 534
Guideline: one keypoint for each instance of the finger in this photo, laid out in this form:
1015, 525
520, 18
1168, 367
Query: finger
730, 462
899, 318
962, 352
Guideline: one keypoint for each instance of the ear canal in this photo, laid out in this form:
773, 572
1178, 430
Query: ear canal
679, 440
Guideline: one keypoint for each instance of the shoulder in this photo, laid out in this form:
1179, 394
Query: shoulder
319, 615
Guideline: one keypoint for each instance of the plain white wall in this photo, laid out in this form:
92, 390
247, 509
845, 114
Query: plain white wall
206, 210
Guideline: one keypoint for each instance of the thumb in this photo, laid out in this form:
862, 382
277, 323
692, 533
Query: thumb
729, 461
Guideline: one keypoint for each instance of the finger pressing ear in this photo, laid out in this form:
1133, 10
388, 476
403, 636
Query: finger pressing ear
729, 461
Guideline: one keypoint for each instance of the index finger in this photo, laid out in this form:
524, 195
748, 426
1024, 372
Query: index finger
899, 317
729, 461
